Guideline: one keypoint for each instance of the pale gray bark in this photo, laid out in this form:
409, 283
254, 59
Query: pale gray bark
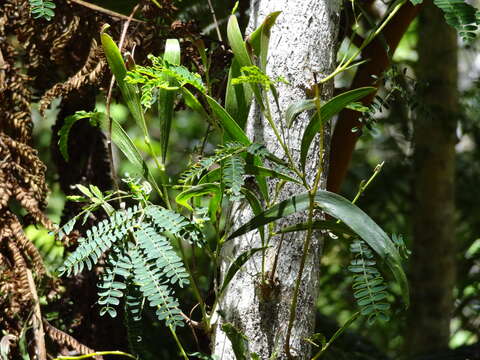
303, 42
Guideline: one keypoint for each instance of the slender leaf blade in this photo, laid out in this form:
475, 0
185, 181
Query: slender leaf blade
327, 111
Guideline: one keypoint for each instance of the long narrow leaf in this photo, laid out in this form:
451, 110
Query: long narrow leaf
194, 191
119, 70
166, 98
327, 111
342, 209
238, 98
233, 131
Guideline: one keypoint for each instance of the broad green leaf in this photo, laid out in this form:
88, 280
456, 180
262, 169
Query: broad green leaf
119, 70
416, 2
327, 111
233, 131
342, 209
166, 98
236, 265
238, 98
297, 108
236, 42
239, 341
240, 52
194, 191
260, 38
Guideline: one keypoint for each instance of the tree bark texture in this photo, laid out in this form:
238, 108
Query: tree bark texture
303, 42
433, 259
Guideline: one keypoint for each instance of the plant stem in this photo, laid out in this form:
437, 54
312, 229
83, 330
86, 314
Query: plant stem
336, 335
367, 41
196, 292
99, 353
308, 238
179, 344
363, 185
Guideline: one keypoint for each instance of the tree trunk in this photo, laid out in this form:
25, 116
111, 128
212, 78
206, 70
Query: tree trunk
303, 42
433, 258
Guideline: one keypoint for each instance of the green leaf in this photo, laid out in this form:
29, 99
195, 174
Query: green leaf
240, 52
342, 209
327, 111
236, 42
416, 2
67, 126
118, 68
236, 265
166, 98
259, 39
194, 191
233, 131
121, 139
238, 98
297, 108
239, 341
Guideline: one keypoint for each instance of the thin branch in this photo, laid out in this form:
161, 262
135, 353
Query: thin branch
104, 11
212, 11
38, 332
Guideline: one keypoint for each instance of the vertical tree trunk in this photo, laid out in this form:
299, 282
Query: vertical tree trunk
433, 259
303, 42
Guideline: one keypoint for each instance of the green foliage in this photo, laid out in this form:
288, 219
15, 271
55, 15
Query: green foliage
42, 9
140, 258
459, 14
368, 285
99, 238
162, 75
233, 177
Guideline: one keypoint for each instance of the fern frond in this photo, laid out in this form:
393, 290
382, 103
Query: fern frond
368, 285
119, 264
98, 240
174, 223
233, 177
150, 280
157, 248
42, 9
195, 170
460, 15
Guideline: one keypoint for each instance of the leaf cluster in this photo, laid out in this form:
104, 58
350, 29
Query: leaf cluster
42, 9
368, 284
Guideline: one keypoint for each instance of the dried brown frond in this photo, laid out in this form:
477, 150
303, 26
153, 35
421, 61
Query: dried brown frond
20, 269
90, 74
63, 339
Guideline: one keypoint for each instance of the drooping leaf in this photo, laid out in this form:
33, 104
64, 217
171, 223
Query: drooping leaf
342, 209
194, 191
